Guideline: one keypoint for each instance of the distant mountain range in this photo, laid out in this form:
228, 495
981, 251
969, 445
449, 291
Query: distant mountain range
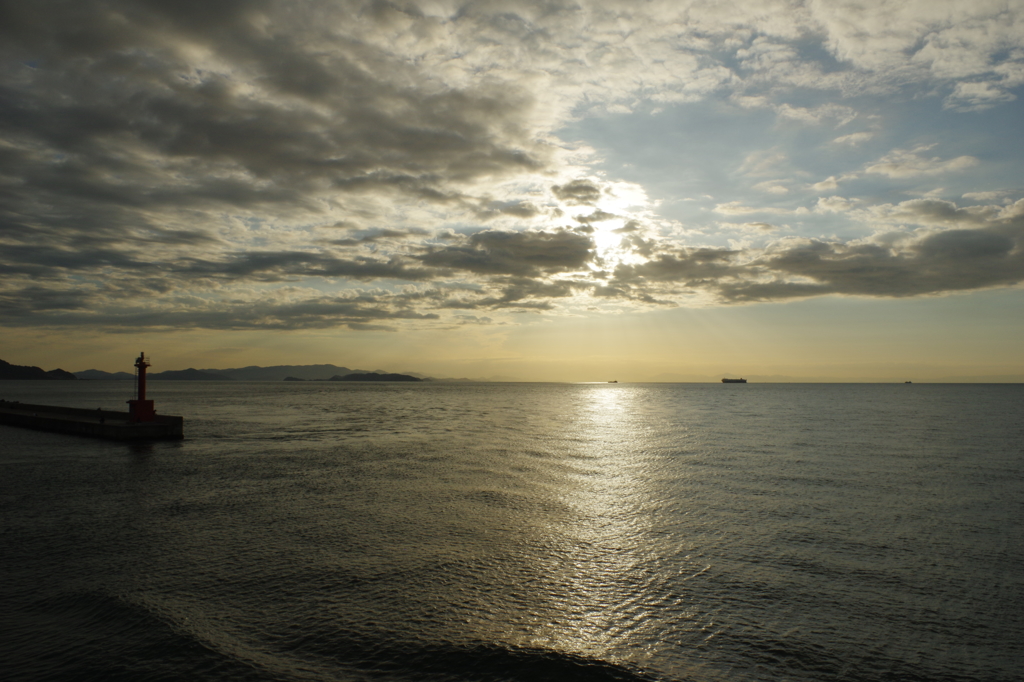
98, 374
281, 372
23, 372
170, 375
364, 376
253, 373
188, 375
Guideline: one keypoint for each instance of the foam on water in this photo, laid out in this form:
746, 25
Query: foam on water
521, 532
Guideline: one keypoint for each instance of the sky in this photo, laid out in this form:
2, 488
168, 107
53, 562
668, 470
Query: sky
569, 191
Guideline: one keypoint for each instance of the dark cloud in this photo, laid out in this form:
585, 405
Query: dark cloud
954, 260
595, 217
637, 244
374, 236
690, 266
630, 293
279, 265
630, 226
579, 192
496, 252
367, 312
951, 260
47, 261
132, 122
966, 246
936, 212
527, 294
516, 209
27, 301
473, 319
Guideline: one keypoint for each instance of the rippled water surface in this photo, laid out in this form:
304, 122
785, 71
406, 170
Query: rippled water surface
323, 531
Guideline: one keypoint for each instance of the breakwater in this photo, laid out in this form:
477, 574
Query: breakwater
94, 423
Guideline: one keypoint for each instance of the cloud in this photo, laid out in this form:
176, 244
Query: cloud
966, 245
908, 163
362, 313
763, 162
381, 235
833, 204
693, 267
517, 208
170, 164
1012, 212
630, 226
977, 96
853, 139
164, 81
735, 208
953, 260
772, 187
26, 301
274, 266
596, 217
841, 114
495, 252
942, 39
985, 196
738, 208
955, 249
929, 211
828, 183
529, 294
582, 192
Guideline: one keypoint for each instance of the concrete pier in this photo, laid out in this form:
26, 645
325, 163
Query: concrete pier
95, 423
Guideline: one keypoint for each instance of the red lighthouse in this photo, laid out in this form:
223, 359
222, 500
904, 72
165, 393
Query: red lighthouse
140, 409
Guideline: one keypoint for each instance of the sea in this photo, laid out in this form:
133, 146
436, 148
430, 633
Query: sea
501, 531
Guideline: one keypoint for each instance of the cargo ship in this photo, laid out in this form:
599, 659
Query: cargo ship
734, 381
140, 422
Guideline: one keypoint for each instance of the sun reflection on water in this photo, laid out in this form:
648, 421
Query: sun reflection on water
602, 545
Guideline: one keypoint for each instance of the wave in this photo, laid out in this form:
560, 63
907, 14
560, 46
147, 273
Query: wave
453, 662
97, 636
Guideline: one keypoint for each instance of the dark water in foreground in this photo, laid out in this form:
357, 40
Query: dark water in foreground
520, 532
